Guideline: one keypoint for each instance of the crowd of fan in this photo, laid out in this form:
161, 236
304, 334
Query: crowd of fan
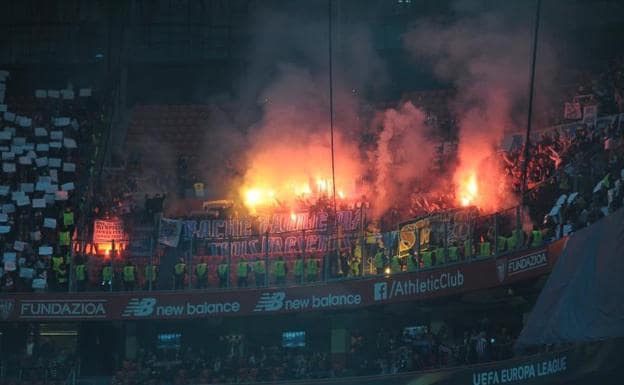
551, 149
386, 352
574, 175
605, 87
582, 180
566, 160
394, 351
572, 172
197, 366
38, 362
590, 187
575, 152
46, 145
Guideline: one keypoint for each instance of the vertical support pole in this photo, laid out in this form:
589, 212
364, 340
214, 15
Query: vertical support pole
266, 260
363, 249
151, 263
189, 263
112, 259
70, 266
304, 259
446, 236
418, 246
496, 234
229, 262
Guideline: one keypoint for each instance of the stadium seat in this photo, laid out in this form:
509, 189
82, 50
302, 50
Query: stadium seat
453, 254
512, 243
439, 256
484, 249
468, 248
427, 258
501, 245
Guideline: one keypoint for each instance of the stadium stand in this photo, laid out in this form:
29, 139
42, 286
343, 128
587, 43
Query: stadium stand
48, 144
567, 160
391, 351
578, 178
579, 160
575, 177
386, 352
137, 247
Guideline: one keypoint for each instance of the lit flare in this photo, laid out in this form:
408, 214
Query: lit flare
469, 190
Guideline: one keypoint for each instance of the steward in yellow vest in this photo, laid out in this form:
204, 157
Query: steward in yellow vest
68, 217
260, 272
380, 261
280, 270
536, 237
354, 267
223, 271
64, 238
201, 274
80, 272
57, 262
298, 270
395, 264
242, 271
312, 268
129, 276
107, 276
179, 273
60, 272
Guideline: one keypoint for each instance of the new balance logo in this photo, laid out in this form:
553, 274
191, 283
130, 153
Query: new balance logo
270, 301
6, 308
380, 291
139, 307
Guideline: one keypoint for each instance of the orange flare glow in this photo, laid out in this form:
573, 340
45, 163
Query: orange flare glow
468, 190
253, 197
305, 189
297, 170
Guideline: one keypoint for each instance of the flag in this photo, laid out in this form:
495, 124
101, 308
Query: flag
169, 232
572, 111
589, 114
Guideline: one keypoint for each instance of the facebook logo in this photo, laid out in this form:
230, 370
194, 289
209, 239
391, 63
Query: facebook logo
380, 292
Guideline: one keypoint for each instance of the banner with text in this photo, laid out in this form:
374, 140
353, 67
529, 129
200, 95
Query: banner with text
105, 231
342, 295
275, 234
431, 231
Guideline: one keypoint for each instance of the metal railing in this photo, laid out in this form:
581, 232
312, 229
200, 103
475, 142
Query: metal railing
425, 243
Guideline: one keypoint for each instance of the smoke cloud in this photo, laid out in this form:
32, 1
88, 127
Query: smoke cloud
285, 91
486, 56
403, 154
291, 147
223, 147
273, 131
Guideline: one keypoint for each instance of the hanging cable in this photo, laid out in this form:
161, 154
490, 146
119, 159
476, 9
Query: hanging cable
527, 142
331, 107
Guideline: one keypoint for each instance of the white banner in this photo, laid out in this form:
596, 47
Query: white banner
169, 232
